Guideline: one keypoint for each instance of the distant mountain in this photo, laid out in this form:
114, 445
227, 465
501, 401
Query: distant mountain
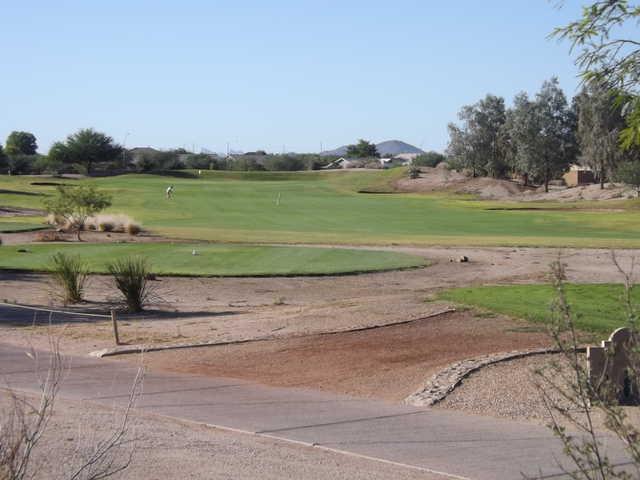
388, 148
396, 147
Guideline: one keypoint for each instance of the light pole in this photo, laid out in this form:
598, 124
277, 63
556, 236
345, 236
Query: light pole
124, 151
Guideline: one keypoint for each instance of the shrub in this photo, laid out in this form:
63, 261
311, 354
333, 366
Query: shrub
130, 275
105, 226
70, 274
413, 172
133, 228
428, 159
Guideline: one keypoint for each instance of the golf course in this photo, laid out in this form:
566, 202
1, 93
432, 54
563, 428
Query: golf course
329, 208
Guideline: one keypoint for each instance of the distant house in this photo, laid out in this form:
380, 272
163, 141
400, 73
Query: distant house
407, 157
392, 162
578, 175
138, 153
341, 163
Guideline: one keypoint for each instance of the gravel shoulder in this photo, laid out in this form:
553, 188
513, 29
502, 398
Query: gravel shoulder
508, 390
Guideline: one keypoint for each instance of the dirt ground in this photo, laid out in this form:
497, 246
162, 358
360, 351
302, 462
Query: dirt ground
386, 363
441, 179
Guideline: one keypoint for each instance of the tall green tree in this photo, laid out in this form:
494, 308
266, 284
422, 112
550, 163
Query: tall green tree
522, 128
21, 143
557, 146
86, 147
600, 121
3, 158
542, 134
608, 54
476, 144
362, 149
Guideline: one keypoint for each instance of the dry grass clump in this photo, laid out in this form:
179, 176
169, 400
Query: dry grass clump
69, 272
118, 223
133, 228
130, 275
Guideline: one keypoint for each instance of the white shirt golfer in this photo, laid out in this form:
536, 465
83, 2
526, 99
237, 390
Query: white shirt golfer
169, 191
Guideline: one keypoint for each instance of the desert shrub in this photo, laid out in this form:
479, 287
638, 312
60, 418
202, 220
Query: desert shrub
45, 164
69, 272
428, 159
130, 275
133, 228
105, 226
413, 172
113, 223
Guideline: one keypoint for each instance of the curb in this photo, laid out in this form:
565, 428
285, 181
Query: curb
128, 349
446, 380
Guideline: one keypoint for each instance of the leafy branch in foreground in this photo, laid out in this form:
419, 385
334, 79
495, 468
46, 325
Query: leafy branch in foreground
575, 402
607, 54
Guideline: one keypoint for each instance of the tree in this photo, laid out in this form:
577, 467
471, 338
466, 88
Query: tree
428, 159
522, 126
629, 172
557, 133
362, 149
21, 143
606, 55
600, 122
541, 134
76, 204
3, 158
86, 147
476, 145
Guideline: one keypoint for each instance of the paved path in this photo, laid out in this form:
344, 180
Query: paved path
454, 444
458, 445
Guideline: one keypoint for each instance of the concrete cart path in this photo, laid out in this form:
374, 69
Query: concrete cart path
455, 444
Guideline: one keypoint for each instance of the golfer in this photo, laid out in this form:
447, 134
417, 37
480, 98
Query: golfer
169, 192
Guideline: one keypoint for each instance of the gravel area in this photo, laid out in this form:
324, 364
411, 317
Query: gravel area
167, 448
507, 390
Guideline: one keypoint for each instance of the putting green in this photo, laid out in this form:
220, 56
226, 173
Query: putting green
214, 260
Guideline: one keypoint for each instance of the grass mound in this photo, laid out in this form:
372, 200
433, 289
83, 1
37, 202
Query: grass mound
214, 260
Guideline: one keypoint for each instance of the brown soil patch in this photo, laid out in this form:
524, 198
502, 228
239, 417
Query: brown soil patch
441, 179
388, 363
88, 236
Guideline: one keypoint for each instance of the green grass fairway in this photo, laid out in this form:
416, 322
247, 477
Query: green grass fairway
9, 227
597, 307
215, 260
326, 207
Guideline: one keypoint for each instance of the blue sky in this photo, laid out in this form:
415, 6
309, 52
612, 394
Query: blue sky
273, 74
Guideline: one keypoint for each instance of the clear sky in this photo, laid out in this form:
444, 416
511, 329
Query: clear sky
269, 74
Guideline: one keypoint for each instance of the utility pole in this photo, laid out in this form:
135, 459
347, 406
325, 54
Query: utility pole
124, 151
